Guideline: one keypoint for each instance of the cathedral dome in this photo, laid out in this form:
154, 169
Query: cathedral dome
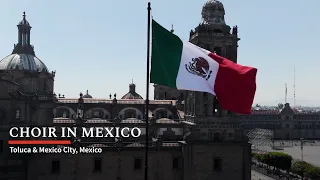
26, 62
87, 95
132, 93
213, 12
23, 56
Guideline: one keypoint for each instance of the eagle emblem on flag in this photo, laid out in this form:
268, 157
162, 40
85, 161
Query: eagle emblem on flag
200, 67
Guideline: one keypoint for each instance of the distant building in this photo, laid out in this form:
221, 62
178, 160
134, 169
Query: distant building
286, 123
191, 137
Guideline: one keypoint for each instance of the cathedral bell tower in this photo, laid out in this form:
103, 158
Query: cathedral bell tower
216, 36
213, 34
216, 138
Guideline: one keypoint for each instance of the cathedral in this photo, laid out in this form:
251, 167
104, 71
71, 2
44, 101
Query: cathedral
190, 136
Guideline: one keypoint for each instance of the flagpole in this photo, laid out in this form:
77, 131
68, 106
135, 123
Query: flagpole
147, 96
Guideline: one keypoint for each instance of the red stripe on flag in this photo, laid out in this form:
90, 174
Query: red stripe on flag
235, 85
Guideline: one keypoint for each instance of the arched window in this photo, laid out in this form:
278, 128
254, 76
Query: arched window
130, 113
162, 114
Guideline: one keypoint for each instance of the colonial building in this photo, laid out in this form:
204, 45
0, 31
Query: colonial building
190, 137
286, 123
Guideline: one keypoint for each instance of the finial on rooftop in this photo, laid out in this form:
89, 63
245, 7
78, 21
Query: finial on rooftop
24, 15
87, 92
172, 28
132, 81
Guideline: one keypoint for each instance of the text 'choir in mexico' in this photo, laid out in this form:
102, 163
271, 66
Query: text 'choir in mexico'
91, 132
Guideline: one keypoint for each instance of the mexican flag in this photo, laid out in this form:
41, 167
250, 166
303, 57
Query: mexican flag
185, 66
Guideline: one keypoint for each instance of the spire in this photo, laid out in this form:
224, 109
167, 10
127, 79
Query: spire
23, 46
172, 28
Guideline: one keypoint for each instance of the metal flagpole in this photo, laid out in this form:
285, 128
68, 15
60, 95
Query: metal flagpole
147, 96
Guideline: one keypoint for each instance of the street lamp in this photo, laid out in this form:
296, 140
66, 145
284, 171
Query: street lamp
301, 143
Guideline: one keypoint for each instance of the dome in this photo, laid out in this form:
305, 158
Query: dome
213, 13
23, 56
24, 22
131, 96
26, 62
132, 93
87, 95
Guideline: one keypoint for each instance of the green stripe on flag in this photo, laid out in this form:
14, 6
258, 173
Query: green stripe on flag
165, 56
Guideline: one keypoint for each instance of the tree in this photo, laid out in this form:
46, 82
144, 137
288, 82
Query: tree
300, 167
280, 106
305, 169
278, 160
313, 172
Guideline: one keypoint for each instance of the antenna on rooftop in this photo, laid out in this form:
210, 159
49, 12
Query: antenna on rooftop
294, 87
285, 93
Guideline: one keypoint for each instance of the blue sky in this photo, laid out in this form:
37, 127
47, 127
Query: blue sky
100, 45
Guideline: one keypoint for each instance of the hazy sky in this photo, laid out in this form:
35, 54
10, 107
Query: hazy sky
100, 45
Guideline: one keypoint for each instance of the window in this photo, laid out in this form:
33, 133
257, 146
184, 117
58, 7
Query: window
175, 163
217, 164
205, 96
96, 114
137, 164
45, 85
130, 113
162, 114
216, 136
97, 165
205, 109
55, 166
1, 146
64, 115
